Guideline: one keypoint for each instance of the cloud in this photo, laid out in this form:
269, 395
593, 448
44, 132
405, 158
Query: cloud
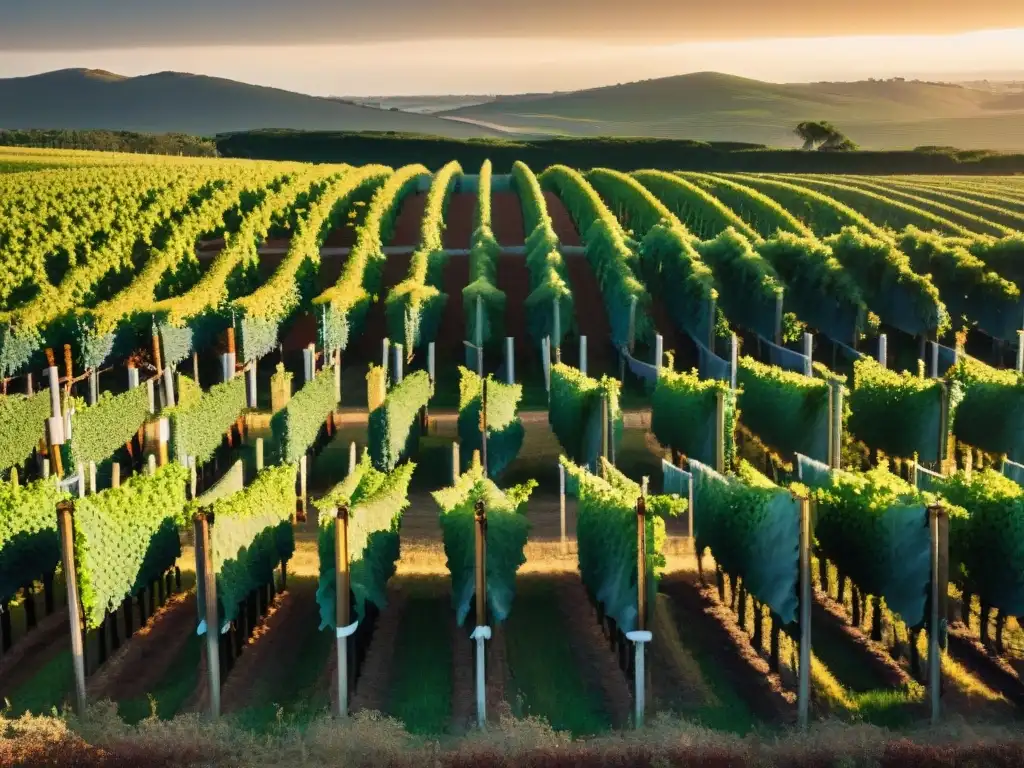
105, 24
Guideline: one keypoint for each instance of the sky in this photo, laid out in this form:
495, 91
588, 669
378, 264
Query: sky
388, 47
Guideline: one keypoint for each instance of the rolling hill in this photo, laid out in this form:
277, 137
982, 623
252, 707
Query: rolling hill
712, 106
172, 102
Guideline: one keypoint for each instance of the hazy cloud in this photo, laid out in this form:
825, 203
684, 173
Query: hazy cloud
105, 24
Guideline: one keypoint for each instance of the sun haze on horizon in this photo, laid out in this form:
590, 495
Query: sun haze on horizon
392, 47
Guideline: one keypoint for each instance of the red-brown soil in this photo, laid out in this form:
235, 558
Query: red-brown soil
368, 344
374, 683
514, 279
507, 218
591, 317
34, 650
561, 220
407, 224
459, 219
452, 330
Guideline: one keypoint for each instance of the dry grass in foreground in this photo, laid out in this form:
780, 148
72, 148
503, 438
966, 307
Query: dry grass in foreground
102, 739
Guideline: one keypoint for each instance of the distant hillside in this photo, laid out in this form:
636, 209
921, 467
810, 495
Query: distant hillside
171, 102
712, 106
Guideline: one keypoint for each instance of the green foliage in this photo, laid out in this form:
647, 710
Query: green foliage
636, 208
297, 425
198, 427
669, 261
1004, 256
683, 415
294, 279
575, 413
697, 210
891, 288
376, 501
393, 426
823, 136
99, 430
606, 531
22, 426
822, 214
787, 410
504, 428
549, 281
873, 526
748, 284
762, 213
360, 281
817, 287
611, 254
896, 413
990, 415
969, 288
987, 543
483, 269
414, 305
230, 482
126, 538
251, 535
507, 529
753, 530
29, 541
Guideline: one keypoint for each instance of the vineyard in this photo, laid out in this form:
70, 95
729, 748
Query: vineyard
560, 453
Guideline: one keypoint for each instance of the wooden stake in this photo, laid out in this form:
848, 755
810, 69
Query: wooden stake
65, 522
208, 584
720, 432
561, 507
195, 368
481, 634
342, 608
641, 563
939, 524
483, 426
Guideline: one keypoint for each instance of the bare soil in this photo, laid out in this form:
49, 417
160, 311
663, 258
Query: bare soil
514, 279
407, 224
507, 218
35, 650
591, 317
994, 670
374, 683
561, 220
463, 677
367, 346
139, 666
459, 220
452, 330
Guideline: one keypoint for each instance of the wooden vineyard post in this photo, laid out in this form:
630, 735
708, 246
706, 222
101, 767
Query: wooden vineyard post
482, 631
641, 635
208, 590
943, 449
115, 475
250, 384
561, 507
342, 608
337, 376
808, 354
66, 524
883, 350
163, 438
55, 424
556, 326
939, 527
259, 454
303, 465
456, 462
352, 460
803, 700
659, 352
720, 432
1020, 351
583, 355
195, 368
483, 426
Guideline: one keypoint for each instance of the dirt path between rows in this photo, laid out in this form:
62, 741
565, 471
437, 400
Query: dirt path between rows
739, 661
507, 218
406, 230
597, 663
514, 279
138, 667
452, 330
374, 683
367, 345
34, 651
561, 220
459, 220
591, 318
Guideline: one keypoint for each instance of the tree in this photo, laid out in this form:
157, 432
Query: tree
822, 135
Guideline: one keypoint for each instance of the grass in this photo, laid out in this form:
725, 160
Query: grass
421, 695
46, 691
169, 696
546, 678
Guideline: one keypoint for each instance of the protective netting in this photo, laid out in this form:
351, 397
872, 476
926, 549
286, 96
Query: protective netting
606, 531
990, 410
874, 527
1013, 471
752, 528
575, 413
675, 480
376, 501
644, 371
506, 531
786, 359
710, 365
926, 480
814, 473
